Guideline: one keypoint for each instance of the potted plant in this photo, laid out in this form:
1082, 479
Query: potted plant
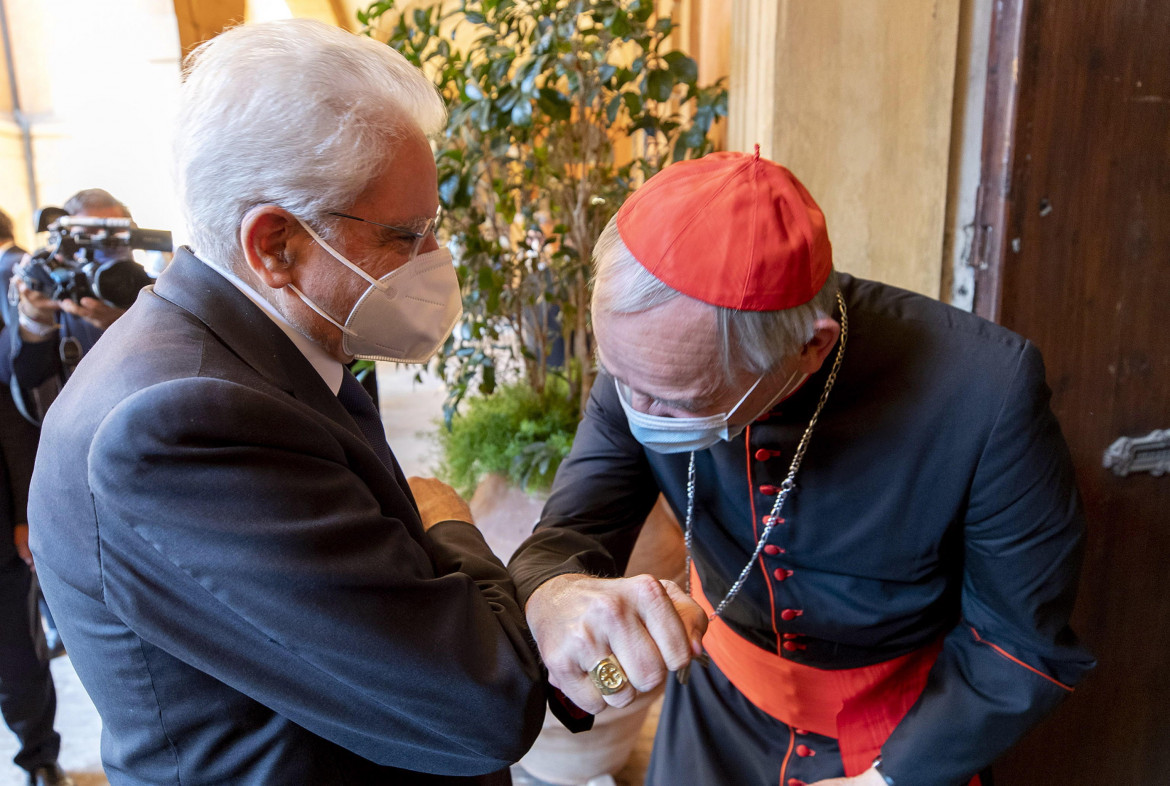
558, 110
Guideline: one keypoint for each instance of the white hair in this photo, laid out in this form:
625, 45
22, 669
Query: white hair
294, 113
754, 341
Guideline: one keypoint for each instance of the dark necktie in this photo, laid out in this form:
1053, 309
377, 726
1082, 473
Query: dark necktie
361, 407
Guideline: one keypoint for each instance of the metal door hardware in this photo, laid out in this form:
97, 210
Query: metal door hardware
1150, 453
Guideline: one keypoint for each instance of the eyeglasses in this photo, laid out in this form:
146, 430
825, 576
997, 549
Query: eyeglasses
429, 228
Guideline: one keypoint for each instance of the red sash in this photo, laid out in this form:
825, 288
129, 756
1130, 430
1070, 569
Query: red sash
859, 707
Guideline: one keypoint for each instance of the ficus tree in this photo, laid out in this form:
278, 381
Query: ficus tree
558, 109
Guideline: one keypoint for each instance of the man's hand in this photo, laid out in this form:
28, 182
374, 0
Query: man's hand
650, 627
95, 312
36, 307
870, 777
437, 502
20, 539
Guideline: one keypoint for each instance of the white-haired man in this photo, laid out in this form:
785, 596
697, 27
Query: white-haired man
250, 589
877, 501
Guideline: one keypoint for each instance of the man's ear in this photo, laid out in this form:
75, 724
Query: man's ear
826, 331
270, 237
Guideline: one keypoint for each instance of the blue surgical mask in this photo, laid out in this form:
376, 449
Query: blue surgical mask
684, 435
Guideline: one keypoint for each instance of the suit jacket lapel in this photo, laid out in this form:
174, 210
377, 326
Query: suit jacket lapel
251, 334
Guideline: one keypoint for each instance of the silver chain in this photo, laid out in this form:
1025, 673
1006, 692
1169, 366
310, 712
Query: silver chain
785, 488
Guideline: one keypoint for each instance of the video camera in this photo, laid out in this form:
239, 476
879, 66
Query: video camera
89, 257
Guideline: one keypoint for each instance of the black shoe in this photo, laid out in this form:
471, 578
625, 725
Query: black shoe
49, 775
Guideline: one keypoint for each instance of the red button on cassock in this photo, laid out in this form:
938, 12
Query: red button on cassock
804, 750
793, 646
788, 615
763, 454
772, 551
780, 574
796, 782
770, 519
769, 490
801, 732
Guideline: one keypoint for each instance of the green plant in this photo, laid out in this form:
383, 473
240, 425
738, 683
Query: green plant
558, 110
516, 431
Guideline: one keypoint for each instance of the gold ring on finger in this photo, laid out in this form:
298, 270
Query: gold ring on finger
607, 676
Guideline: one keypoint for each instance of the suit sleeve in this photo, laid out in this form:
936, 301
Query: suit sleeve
1012, 657
236, 535
602, 495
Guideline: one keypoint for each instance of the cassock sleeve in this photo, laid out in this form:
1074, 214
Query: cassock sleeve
1012, 658
236, 535
603, 492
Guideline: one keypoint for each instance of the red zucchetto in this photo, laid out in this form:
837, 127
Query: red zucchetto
729, 229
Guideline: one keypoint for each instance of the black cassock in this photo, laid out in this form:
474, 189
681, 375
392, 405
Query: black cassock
936, 500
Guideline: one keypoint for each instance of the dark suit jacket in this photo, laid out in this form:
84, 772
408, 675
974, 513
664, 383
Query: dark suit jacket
246, 591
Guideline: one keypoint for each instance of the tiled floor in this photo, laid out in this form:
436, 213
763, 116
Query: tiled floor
410, 411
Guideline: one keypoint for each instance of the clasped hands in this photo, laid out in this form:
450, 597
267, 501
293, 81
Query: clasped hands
650, 627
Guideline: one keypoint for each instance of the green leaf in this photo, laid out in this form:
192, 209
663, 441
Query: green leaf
684, 68
472, 91
554, 104
645, 123
448, 189
507, 98
620, 26
487, 384
659, 85
522, 113
612, 107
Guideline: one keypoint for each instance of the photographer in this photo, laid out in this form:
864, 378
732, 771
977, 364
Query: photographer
45, 337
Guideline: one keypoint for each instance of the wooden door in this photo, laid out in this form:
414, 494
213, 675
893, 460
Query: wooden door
1075, 220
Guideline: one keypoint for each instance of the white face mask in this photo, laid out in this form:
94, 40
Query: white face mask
406, 315
684, 435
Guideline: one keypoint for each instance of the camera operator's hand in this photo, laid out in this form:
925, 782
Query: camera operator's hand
38, 310
93, 311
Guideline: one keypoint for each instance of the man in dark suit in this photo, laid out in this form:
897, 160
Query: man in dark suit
250, 589
880, 513
27, 698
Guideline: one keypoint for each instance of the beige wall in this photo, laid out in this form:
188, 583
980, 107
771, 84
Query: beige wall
855, 96
26, 32
98, 82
